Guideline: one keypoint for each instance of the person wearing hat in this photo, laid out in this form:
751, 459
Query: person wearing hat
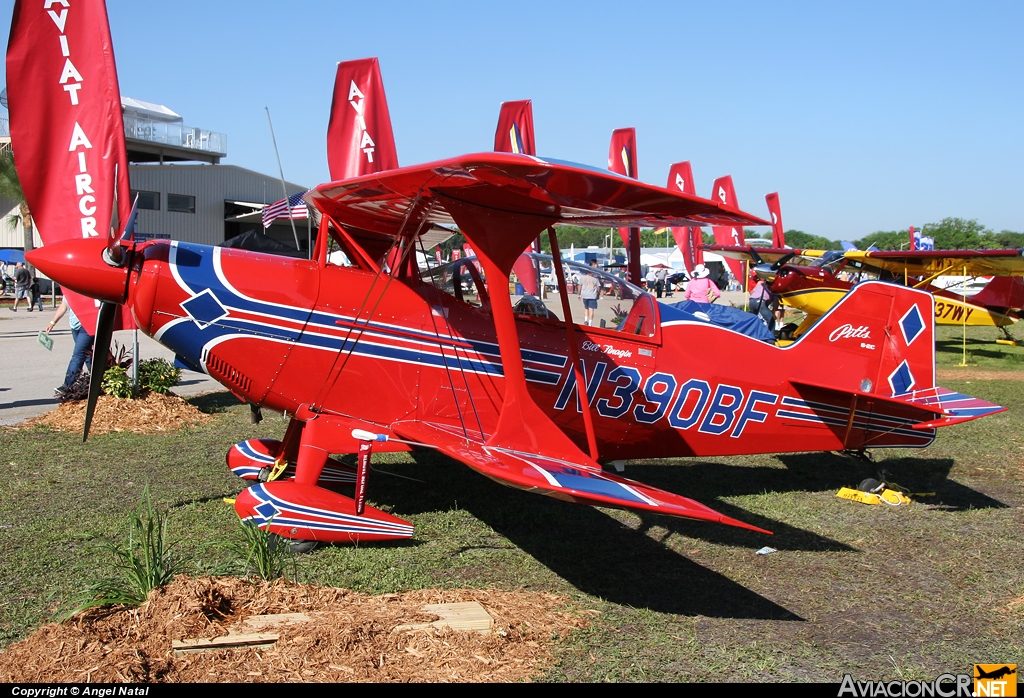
701, 288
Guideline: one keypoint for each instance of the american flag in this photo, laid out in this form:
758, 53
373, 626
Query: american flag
280, 209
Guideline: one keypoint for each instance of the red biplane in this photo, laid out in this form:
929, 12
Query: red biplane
374, 356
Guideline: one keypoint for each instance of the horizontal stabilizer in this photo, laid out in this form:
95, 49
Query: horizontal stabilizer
955, 407
920, 409
583, 484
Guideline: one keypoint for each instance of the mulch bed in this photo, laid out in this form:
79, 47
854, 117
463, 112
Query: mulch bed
350, 637
151, 414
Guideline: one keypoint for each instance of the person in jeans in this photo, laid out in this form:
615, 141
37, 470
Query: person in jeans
22, 286
590, 291
82, 354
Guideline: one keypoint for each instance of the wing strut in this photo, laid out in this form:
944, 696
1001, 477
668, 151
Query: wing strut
574, 354
522, 424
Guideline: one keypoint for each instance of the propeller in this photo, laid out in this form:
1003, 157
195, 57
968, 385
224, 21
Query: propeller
100, 349
782, 261
116, 254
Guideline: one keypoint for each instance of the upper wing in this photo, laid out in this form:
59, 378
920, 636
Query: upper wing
404, 201
575, 482
935, 262
770, 255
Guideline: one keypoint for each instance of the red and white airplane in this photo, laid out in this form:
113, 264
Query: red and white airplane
375, 357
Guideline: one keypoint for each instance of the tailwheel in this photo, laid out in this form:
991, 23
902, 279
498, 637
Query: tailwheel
1008, 338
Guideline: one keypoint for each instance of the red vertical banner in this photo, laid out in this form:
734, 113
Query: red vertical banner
359, 136
689, 240
778, 235
67, 133
622, 160
723, 192
515, 128
913, 240
515, 135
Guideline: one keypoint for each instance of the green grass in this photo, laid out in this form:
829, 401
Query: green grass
982, 351
873, 591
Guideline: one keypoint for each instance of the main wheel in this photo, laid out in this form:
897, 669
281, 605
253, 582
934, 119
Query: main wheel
294, 546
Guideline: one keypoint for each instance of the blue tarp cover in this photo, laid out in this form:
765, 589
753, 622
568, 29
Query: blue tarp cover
722, 315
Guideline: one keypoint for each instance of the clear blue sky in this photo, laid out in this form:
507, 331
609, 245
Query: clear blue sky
863, 116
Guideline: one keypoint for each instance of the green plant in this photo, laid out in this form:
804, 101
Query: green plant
143, 563
158, 375
262, 553
118, 383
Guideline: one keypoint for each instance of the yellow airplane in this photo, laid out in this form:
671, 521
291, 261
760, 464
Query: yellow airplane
814, 280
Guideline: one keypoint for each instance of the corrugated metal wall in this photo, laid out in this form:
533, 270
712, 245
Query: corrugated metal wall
211, 185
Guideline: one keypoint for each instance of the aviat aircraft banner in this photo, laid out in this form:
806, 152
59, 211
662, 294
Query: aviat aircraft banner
66, 126
680, 178
515, 128
515, 135
778, 236
724, 192
622, 160
359, 136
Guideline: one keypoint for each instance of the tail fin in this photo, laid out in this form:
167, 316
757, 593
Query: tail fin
778, 235
1002, 292
724, 192
680, 177
880, 339
879, 390
359, 136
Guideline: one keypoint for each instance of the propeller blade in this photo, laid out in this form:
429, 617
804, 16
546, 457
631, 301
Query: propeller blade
756, 257
782, 260
100, 350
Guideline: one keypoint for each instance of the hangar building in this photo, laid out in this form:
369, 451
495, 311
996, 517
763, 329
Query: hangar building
184, 192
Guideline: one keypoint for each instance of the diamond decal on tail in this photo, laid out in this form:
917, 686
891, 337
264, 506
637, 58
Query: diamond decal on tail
912, 324
902, 380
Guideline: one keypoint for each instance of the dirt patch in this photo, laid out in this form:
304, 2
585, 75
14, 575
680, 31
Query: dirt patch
350, 637
151, 414
969, 374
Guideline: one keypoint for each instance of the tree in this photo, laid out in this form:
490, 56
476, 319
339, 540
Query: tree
10, 188
885, 240
804, 241
1005, 239
956, 234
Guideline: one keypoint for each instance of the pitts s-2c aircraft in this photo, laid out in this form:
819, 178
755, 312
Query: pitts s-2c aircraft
373, 357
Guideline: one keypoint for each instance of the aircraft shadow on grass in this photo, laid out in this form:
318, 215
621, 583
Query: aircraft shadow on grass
603, 557
592, 551
812, 472
975, 347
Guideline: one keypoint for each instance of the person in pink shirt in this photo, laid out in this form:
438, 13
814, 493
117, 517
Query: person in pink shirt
701, 288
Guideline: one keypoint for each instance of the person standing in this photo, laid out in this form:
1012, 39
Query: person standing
701, 288
22, 285
82, 355
35, 295
761, 302
590, 291
661, 279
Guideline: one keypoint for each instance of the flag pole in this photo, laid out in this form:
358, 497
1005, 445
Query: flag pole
284, 188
